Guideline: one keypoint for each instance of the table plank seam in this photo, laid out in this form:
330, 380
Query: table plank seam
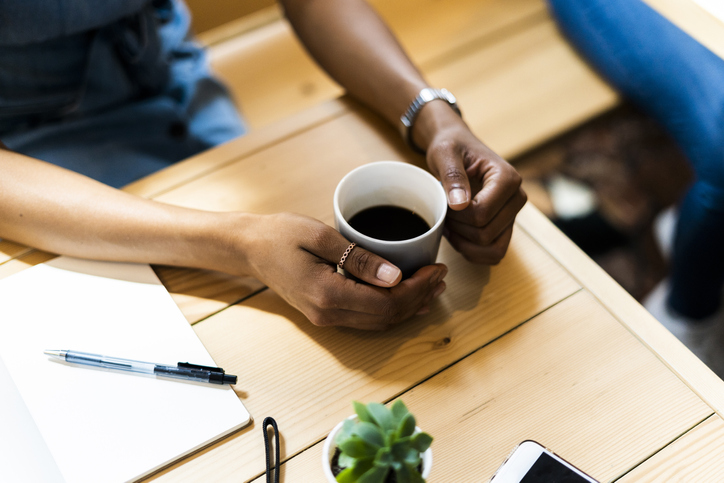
18, 255
262, 147
237, 302
619, 477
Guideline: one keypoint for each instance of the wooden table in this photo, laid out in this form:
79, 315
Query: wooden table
544, 346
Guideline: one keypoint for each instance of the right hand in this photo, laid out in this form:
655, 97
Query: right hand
297, 257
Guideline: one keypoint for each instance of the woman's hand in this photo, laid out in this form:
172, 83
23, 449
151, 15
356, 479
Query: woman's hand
297, 257
484, 191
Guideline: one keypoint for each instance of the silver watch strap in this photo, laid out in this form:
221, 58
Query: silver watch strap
408, 118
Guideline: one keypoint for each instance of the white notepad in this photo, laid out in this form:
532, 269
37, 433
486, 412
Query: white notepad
70, 423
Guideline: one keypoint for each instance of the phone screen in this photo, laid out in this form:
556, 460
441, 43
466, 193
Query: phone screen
548, 470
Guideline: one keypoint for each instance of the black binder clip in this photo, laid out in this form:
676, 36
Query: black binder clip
269, 421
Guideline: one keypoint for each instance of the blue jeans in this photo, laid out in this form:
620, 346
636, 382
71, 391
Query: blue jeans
680, 83
116, 91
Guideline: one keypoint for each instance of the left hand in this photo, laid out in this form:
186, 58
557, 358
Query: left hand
484, 193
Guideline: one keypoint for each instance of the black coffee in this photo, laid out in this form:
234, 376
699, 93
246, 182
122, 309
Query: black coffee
388, 222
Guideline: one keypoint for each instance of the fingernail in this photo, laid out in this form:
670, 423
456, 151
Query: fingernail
388, 273
424, 310
457, 196
440, 289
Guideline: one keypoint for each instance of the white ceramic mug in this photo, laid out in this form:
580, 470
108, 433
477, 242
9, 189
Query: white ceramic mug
399, 184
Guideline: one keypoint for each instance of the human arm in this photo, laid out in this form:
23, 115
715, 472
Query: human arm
56, 210
355, 47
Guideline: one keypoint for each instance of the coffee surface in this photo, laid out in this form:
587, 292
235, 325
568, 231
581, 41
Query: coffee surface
388, 222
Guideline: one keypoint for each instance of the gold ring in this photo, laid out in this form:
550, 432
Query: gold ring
345, 255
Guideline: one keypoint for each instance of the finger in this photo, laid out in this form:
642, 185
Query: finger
498, 190
393, 305
357, 320
487, 234
377, 322
447, 165
435, 294
330, 245
488, 255
418, 291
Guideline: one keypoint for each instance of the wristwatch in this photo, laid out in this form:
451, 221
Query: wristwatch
408, 118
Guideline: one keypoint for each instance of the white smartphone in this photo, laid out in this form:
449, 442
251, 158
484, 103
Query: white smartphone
532, 463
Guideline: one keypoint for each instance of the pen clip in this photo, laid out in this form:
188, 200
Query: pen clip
196, 367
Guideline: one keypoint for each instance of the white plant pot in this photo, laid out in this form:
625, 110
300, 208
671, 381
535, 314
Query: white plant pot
330, 447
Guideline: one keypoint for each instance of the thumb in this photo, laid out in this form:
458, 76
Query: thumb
371, 268
363, 264
447, 165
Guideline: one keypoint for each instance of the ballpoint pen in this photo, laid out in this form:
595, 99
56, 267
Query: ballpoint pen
184, 370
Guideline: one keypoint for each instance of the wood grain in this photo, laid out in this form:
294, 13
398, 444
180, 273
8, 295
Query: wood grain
25, 260
524, 89
298, 173
570, 378
272, 76
227, 153
10, 250
200, 293
697, 456
207, 15
625, 308
305, 376
459, 45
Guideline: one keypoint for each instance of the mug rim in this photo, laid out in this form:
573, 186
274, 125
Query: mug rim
364, 237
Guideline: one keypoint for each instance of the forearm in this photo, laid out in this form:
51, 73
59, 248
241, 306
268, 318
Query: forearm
53, 209
357, 49
352, 43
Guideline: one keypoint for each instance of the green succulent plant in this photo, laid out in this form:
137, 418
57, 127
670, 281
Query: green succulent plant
381, 441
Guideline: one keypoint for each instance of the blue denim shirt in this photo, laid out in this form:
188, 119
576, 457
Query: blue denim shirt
114, 89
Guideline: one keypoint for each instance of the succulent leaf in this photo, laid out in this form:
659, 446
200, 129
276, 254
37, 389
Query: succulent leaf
382, 416
400, 448
354, 472
346, 461
403, 474
421, 441
356, 447
412, 457
399, 410
362, 413
406, 426
377, 474
384, 457
370, 433
415, 476
345, 431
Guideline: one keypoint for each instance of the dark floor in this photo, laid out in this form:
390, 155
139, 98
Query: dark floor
635, 170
